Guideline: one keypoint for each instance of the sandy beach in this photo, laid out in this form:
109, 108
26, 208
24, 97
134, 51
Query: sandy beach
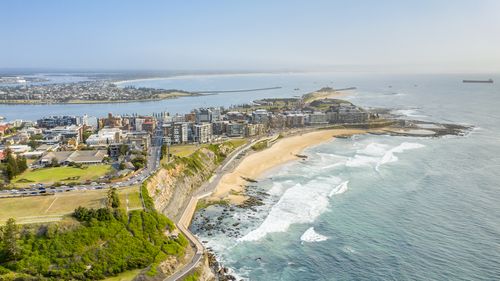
232, 185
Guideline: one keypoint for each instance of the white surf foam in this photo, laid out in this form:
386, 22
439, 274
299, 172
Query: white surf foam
339, 189
339, 164
390, 157
299, 204
276, 189
409, 113
373, 149
361, 161
312, 236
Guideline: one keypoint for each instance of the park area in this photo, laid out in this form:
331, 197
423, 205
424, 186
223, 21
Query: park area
184, 150
64, 175
37, 209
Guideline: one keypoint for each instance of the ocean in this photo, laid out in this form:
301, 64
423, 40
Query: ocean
378, 207
364, 208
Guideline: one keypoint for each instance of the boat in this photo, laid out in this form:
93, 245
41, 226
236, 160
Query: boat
478, 81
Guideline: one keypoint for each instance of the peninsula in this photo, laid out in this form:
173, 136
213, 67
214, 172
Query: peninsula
95, 91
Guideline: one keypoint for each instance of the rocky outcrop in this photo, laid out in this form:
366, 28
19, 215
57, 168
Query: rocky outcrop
221, 272
204, 270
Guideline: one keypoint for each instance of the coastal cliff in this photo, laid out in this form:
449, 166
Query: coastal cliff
174, 184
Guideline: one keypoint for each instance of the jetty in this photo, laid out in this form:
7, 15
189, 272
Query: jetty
478, 81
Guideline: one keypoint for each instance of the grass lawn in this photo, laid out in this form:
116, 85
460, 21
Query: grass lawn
124, 276
48, 208
238, 142
183, 150
133, 196
61, 174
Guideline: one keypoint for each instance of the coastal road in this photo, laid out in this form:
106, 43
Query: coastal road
205, 190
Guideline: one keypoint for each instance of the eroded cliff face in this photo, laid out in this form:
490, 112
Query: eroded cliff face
173, 185
204, 271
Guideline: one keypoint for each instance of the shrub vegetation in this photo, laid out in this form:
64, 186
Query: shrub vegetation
105, 242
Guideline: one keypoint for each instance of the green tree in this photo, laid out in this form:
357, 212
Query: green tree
86, 135
11, 169
10, 246
138, 162
123, 149
54, 162
113, 199
22, 164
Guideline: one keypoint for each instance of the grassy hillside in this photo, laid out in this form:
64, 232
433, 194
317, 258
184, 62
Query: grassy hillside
104, 243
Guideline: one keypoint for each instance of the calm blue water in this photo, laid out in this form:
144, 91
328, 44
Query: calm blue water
366, 83
380, 207
289, 82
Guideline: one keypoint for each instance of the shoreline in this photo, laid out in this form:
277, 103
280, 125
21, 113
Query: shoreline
184, 76
231, 187
172, 95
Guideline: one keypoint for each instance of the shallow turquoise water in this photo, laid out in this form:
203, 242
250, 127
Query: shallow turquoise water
381, 208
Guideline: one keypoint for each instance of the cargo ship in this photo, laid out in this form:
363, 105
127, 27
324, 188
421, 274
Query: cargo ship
478, 81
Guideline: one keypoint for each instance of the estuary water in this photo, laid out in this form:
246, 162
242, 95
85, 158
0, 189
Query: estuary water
292, 84
378, 207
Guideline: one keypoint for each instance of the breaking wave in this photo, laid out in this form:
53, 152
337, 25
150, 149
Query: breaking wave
409, 113
302, 203
339, 189
312, 236
390, 157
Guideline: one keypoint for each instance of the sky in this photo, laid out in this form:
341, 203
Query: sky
419, 35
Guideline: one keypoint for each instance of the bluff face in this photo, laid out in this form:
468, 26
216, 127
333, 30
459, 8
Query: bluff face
174, 184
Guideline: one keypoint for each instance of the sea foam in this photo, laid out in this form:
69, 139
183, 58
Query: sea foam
302, 203
390, 157
361, 161
373, 149
409, 113
312, 236
339, 189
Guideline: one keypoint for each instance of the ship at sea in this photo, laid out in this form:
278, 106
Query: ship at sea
478, 81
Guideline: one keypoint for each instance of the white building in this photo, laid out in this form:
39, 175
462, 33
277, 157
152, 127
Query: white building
105, 137
176, 133
90, 121
20, 148
202, 133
